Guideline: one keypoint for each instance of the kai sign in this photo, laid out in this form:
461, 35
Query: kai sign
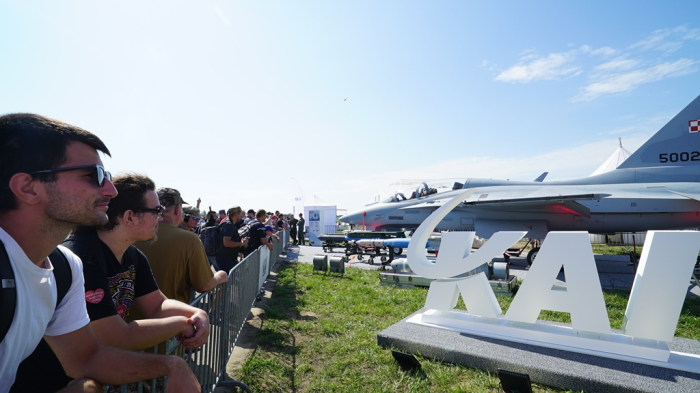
652, 311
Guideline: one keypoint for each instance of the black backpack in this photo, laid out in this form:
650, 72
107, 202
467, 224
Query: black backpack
8, 295
211, 240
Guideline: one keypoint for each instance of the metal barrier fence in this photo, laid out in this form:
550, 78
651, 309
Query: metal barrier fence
228, 307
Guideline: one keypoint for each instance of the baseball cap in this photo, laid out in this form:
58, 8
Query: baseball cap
251, 211
222, 211
233, 210
170, 197
191, 210
268, 228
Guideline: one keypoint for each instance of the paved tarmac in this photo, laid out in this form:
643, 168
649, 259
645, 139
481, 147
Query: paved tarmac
614, 271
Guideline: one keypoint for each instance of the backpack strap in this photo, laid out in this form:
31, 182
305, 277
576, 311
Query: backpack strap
8, 293
63, 274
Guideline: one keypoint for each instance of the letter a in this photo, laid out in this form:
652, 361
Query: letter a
582, 297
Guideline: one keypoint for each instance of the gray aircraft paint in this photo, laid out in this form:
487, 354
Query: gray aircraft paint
656, 188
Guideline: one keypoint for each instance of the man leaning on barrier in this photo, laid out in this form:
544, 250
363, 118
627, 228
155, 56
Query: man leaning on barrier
52, 179
118, 276
231, 242
257, 234
177, 259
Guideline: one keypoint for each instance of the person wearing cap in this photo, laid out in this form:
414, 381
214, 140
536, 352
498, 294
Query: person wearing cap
231, 244
270, 233
191, 218
222, 216
250, 219
177, 259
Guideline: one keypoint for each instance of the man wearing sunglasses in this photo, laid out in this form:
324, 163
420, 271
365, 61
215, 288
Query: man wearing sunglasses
118, 277
191, 219
177, 259
52, 179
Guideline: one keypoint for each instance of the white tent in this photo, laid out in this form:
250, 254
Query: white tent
617, 158
325, 213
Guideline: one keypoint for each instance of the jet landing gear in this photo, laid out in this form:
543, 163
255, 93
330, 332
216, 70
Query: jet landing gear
532, 255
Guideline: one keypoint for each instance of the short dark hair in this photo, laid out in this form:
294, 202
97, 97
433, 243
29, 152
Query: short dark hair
131, 188
260, 213
30, 142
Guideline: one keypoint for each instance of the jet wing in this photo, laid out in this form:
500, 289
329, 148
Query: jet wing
566, 204
482, 199
546, 204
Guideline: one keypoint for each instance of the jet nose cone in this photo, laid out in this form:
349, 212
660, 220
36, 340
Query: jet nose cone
352, 218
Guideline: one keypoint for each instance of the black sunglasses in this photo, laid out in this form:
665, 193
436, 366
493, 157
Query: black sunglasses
99, 173
158, 210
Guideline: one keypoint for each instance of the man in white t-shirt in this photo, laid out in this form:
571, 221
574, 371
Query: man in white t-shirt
52, 179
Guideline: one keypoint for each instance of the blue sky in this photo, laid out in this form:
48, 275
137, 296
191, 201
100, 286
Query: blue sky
228, 101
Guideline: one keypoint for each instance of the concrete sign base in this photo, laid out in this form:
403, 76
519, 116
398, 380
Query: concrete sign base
548, 366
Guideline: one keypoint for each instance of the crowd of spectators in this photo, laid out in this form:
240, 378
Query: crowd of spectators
105, 266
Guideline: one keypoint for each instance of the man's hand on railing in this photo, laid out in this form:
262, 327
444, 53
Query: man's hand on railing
189, 332
200, 321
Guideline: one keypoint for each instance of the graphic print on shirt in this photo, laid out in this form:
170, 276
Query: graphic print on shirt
122, 287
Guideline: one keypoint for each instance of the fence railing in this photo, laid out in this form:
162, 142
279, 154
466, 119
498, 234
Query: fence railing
228, 307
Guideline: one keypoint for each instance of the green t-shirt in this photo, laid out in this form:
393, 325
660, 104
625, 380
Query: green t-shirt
178, 262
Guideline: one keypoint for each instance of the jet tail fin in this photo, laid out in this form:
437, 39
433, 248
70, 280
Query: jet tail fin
541, 177
675, 144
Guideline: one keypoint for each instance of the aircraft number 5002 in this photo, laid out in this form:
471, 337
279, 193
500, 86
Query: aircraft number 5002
684, 156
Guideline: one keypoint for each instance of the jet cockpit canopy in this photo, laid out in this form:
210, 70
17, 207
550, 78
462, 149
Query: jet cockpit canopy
424, 189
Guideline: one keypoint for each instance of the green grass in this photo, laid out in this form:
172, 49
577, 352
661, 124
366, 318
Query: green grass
614, 250
320, 336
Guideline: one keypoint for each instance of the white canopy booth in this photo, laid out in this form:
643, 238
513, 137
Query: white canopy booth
320, 219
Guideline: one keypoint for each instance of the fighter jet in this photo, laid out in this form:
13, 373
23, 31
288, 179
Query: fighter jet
656, 188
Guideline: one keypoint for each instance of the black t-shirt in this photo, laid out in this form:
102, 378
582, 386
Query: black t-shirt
293, 224
257, 233
111, 287
229, 229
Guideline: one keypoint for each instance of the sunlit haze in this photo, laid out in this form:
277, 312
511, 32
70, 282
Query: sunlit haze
230, 101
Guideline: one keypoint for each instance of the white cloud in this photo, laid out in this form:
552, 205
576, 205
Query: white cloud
619, 75
667, 40
625, 82
691, 34
533, 67
605, 51
619, 63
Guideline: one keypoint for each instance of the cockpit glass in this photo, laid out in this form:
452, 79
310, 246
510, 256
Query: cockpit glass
421, 190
